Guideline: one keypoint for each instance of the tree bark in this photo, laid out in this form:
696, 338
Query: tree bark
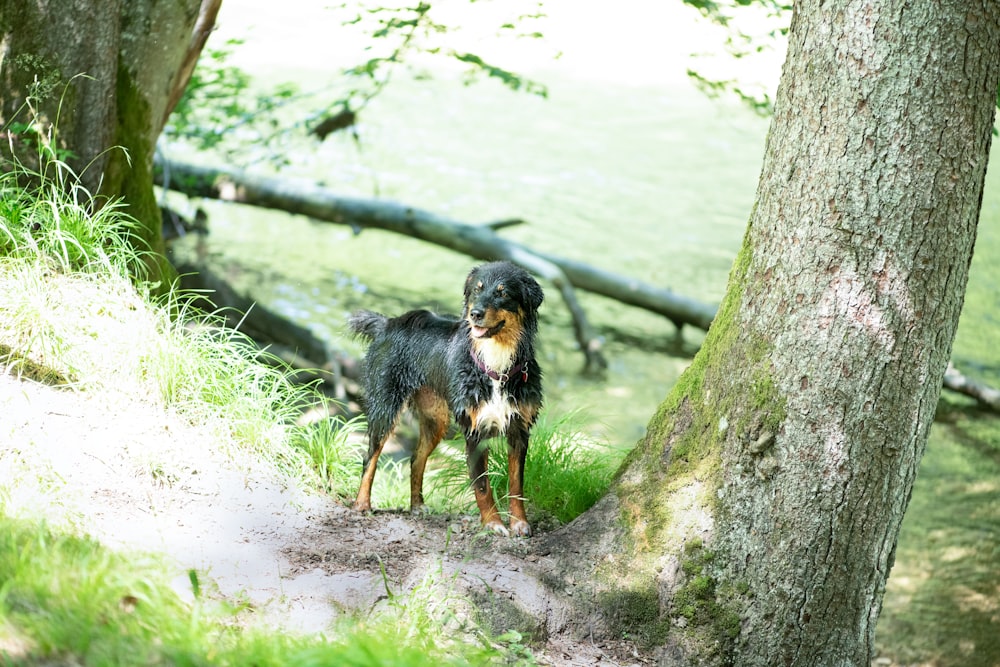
100, 79
756, 522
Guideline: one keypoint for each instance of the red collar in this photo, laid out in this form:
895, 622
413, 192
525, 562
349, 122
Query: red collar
521, 368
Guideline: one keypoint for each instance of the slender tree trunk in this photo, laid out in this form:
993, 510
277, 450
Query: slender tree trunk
100, 78
756, 522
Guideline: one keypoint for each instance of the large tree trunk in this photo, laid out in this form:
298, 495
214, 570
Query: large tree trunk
756, 522
104, 75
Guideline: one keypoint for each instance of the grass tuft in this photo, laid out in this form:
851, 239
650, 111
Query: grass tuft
57, 221
565, 473
325, 445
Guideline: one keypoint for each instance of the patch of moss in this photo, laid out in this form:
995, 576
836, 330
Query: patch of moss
498, 615
635, 612
129, 175
728, 396
706, 604
685, 438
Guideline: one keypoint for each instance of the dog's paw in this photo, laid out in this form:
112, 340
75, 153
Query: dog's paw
362, 505
496, 527
519, 528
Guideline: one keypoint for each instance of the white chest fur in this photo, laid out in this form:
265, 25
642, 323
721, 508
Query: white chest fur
497, 358
497, 412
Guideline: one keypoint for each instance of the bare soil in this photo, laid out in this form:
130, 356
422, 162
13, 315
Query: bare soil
141, 479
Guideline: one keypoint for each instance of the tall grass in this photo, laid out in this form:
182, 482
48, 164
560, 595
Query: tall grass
54, 219
565, 473
77, 310
325, 446
65, 262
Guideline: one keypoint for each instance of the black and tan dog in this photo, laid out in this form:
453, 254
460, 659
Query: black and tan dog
480, 368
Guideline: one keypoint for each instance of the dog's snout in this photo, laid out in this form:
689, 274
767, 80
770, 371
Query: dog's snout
477, 313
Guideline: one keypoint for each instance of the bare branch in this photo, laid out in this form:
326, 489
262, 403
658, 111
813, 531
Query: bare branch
202, 29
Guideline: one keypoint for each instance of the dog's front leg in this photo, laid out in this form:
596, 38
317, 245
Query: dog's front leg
476, 454
517, 451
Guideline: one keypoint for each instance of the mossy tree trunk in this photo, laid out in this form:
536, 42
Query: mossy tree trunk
756, 523
106, 75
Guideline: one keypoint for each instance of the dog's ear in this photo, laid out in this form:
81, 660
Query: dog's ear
533, 292
468, 282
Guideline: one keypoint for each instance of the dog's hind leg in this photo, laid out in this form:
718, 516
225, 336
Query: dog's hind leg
517, 450
363, 503
380, 424
476, 453
433, 415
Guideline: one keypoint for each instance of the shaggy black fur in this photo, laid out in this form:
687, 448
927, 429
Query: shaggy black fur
480, 369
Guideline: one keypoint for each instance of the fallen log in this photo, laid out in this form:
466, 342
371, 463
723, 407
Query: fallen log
985, 395
304, 198
479, 241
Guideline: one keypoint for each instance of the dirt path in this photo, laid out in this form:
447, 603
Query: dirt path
137, 478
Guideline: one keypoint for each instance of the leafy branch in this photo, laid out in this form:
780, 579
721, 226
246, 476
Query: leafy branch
740, 44
220, 110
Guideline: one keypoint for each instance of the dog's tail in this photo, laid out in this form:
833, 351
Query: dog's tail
367, 324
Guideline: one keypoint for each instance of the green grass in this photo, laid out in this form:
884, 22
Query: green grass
66, 599
325, 445
565, 473
66, 595
61, 223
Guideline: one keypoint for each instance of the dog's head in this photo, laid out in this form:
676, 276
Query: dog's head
501, 303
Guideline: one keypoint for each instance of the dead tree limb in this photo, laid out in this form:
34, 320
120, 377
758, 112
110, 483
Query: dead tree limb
480, 241
203, 27
987, 396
